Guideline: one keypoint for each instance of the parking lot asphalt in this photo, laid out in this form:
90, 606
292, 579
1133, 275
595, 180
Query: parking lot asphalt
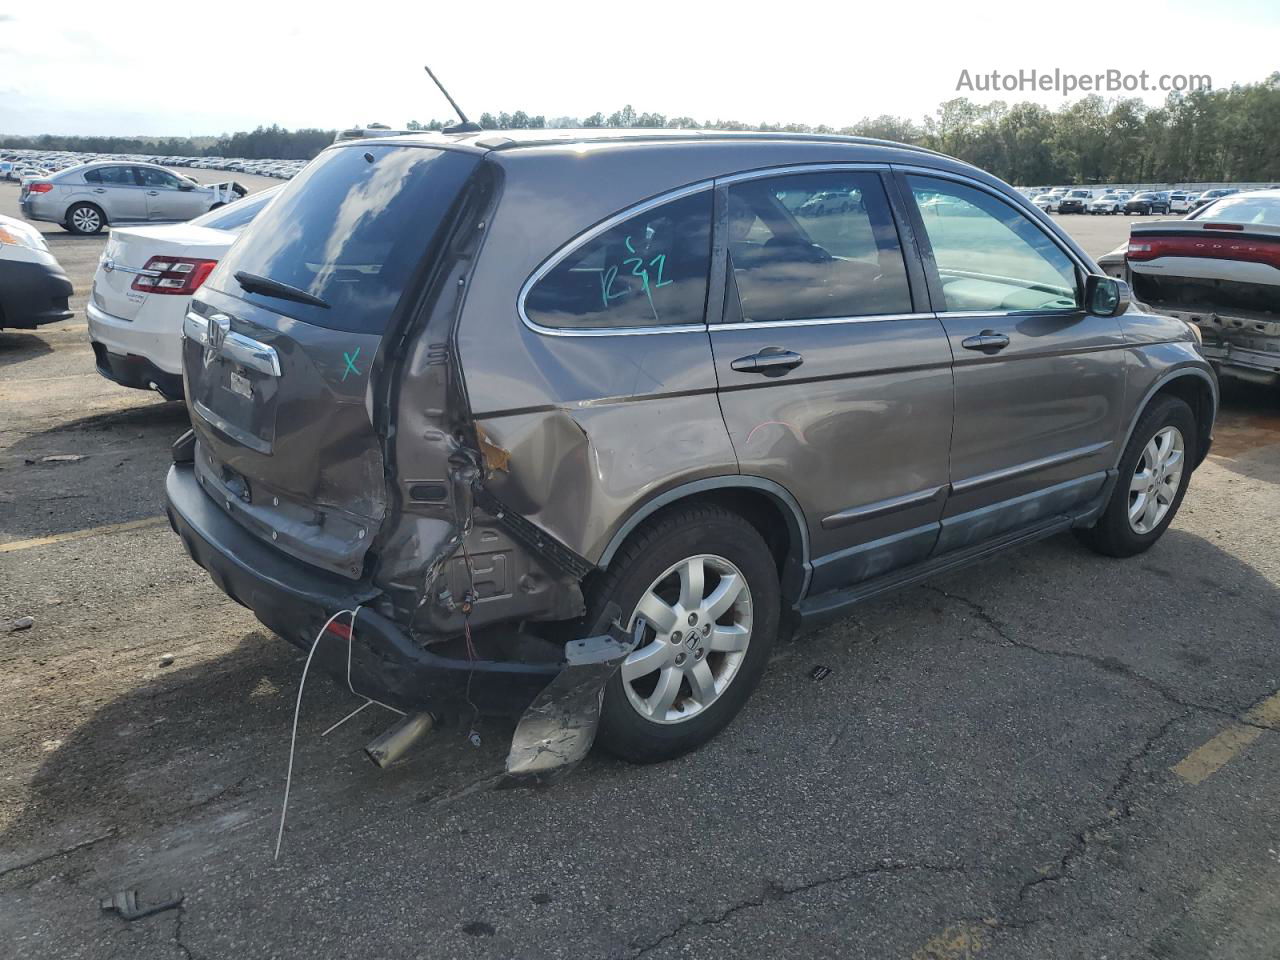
1053, 755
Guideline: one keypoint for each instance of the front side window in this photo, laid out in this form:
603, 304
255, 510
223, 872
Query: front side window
151, 177
648, 271
815, 245
989, 255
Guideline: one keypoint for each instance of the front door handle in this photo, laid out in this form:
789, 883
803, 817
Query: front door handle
988, 341
771, 361
153, 193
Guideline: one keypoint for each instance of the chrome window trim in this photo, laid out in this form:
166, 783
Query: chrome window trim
827, 166
819, 321
586, 237
991, 191
976, 314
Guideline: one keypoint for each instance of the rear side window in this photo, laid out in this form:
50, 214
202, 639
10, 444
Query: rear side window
815, 245
648, 271
119, 176
350, 230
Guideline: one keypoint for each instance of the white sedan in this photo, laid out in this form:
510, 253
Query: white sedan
1107, 203
1048, 202
144, 283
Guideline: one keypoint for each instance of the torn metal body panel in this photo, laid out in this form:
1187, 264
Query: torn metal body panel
558, 729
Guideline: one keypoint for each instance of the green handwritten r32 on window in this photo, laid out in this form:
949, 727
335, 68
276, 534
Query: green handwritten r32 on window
636, 266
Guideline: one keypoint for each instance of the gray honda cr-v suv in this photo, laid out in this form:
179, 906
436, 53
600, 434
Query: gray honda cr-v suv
529, 418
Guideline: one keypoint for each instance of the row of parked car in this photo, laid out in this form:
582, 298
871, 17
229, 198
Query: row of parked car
21, 164
599, 465
1142, 203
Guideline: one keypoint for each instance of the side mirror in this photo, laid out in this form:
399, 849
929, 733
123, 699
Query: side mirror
1106, 296
186, 185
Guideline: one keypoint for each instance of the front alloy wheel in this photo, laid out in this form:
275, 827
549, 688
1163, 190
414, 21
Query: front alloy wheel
1156, 480
695, 623
1157, 461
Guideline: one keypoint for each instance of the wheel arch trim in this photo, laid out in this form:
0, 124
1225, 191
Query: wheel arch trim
781, 495
1163, 381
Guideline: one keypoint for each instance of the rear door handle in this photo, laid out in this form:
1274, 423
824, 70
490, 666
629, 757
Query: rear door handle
988, 341
771, 361
100, 190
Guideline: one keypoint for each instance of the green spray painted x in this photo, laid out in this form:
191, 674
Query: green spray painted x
351, 363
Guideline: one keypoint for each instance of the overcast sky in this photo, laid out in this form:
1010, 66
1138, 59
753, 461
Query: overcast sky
212, 67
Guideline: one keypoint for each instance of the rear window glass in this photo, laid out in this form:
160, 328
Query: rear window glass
236, 215
1244, 209
350, 229
648, 271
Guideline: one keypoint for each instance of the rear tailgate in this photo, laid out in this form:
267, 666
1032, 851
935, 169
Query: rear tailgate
283, 342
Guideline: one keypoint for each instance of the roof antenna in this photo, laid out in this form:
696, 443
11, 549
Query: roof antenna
466, 126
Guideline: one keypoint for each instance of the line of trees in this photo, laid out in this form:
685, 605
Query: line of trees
1231, 134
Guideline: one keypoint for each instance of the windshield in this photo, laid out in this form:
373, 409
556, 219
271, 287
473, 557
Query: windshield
348, 231
235, 216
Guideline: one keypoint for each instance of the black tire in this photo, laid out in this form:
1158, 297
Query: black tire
654, 548
85, 219
1113, 535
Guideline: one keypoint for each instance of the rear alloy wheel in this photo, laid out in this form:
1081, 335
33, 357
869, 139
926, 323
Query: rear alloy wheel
85, 219
699, 589
1152, 481
695, 627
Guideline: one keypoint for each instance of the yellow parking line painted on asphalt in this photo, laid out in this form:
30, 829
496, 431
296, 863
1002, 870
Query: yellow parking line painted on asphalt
1204, 761
13, 545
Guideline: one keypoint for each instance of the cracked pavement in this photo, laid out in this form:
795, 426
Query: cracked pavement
986, 771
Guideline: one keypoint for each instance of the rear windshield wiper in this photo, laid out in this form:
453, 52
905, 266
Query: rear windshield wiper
252, 283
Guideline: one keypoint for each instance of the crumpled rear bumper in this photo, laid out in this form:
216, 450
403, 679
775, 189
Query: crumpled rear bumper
379, 659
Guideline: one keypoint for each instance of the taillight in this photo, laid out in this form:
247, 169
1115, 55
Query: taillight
181, 275
38, 187
1206, 246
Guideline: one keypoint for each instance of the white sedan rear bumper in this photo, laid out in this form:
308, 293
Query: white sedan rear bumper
154, 334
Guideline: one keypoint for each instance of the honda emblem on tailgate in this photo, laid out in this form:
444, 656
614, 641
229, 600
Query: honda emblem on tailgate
219, 327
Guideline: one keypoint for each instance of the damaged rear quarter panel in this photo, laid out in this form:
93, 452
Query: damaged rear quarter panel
583, 430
